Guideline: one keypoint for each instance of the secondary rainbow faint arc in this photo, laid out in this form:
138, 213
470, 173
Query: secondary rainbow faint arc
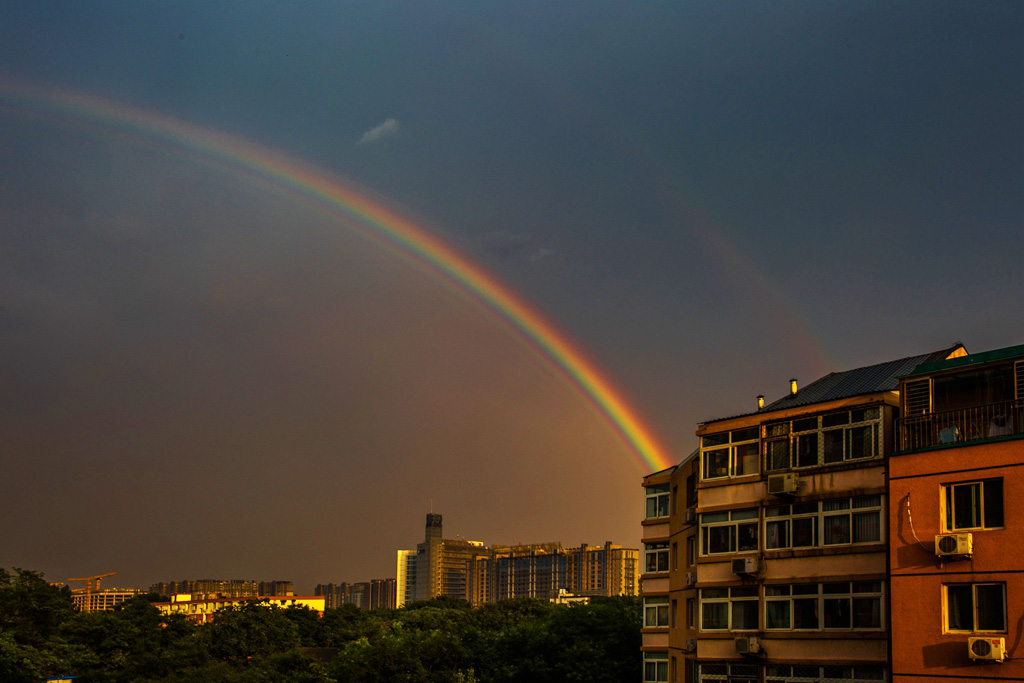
385, 225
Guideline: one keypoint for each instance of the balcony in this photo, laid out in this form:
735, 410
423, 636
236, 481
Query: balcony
966, 425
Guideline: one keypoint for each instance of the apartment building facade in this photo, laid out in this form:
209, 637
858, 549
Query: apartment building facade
789, 539
956, 530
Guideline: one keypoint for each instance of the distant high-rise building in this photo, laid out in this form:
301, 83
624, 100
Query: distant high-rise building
405, 581
233, 588
469, 570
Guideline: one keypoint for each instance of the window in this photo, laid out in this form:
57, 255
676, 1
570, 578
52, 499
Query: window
840, 605
675, 555
838, 521
727, 672
728, 609
657, 501
829, 439
656, 612
803, 673
730, 454
655, 667
691, 551
674, 617
728, 532
691, 613
975, 607
655, 557
973, 505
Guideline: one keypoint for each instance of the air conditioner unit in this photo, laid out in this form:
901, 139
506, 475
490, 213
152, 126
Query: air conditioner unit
744, 565
748, 646
691, 578
690, 515
691, 644
992, 649
783, 484
953, 545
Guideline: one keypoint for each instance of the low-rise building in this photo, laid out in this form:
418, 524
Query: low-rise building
203, 609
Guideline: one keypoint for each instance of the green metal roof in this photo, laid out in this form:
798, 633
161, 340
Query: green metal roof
971, 359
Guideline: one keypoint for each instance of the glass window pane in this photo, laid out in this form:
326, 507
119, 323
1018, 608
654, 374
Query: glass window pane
776, 535
722, 539
837, 529
861, 442
744, 615
866, 527
716, 463
994, 503
748, 536
714, 616
867, 612
966, 502
778, 454
750, 513
833, 445
807, 450
804, 532
776, 614
746, 434
715, 439
959, 608
805, 613
747, 457
991, 607
837, 613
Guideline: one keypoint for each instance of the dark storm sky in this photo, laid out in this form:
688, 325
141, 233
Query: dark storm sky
202, 377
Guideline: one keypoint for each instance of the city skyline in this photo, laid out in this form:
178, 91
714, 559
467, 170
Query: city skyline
207, 373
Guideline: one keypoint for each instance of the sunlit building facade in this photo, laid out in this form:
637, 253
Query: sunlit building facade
203, 609
956, 521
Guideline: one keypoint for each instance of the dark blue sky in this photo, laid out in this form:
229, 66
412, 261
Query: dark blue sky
710, 198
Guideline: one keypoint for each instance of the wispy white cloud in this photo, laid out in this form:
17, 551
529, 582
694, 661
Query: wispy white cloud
384, 130
541, 253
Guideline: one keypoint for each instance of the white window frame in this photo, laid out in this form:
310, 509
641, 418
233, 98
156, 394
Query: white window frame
734, 519
728, 597
946, 628
656, 551
656, 611
851, 508
947, 500
787, 432
829, 592
656, 667
736, 449
656, 501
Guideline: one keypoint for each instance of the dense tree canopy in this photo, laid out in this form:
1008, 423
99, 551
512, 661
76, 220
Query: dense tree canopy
439, 641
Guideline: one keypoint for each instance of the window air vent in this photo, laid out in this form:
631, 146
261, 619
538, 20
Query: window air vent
918, 399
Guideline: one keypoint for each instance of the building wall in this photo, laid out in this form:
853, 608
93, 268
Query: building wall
923, 649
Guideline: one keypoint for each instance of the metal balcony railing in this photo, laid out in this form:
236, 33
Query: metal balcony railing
977, 423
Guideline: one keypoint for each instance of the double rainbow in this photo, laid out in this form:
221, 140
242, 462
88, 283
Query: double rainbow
386, 226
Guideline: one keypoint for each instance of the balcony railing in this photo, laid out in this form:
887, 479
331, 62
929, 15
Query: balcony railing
977, 423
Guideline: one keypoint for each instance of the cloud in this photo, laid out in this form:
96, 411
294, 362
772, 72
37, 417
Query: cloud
541, 253
384, 130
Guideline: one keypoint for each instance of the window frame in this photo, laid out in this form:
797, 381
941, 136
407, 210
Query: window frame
656, 500
790, 438
652, 662
656, 610
734, 523
946, 609
733, 597
656, 550
947, 500
855, 506
729, 448
826, 593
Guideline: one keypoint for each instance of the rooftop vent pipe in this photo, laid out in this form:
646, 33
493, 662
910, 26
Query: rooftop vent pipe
760, 402
792, 387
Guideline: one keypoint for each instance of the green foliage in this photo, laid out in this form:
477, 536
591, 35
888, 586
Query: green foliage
435, 641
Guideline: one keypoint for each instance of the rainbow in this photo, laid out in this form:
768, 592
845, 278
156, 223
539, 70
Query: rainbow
385, 226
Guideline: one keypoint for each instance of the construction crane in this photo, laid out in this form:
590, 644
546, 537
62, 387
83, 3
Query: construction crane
87, 605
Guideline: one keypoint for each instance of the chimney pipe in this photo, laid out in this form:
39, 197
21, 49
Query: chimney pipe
792, 387
760, 402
